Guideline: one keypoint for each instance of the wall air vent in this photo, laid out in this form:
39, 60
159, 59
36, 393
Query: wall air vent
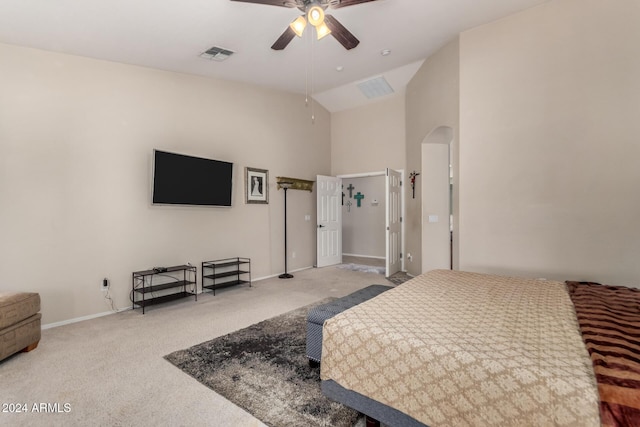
217, 54
376, 87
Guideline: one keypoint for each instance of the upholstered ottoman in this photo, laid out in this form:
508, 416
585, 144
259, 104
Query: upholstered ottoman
317, 316
19, 322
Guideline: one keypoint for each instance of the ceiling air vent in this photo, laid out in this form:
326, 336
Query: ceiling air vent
376, 87
217, 54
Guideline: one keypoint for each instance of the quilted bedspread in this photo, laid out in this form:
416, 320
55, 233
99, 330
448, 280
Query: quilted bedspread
467, 349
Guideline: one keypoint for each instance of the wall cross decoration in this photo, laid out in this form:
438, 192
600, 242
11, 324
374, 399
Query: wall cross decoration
413, 176
349, 206
351, 188
359, 198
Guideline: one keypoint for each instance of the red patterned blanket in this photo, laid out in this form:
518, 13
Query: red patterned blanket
609, 319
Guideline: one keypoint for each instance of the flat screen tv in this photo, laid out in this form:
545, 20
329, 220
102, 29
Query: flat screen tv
186, 180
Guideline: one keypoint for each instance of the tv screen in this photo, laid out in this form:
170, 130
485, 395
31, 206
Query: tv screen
187, 180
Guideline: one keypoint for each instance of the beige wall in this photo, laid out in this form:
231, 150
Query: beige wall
432, 102
76, 139
436, 228
543, 106
369, 138
549, 143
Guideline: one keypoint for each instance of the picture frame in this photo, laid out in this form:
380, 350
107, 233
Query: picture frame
256, 185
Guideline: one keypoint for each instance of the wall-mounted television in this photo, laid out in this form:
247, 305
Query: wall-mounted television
186, 180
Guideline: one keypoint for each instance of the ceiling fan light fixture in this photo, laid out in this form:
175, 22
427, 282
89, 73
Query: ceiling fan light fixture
315, 15
322, 31
299, 25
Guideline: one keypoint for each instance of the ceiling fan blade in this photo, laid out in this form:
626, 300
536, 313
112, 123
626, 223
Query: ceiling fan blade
284, 39
284, 3
344, 36
336, 4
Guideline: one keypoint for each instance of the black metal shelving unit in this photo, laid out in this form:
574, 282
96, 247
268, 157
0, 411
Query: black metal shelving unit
178, 279
222, 273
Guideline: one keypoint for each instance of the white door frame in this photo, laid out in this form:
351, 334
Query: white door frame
393, 222
384, 173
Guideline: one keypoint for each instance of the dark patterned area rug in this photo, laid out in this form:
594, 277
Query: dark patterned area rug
399, 278
264, 370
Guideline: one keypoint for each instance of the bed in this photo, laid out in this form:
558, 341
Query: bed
470, 349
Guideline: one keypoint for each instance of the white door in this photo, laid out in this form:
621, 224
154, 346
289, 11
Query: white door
394, 222
329, 214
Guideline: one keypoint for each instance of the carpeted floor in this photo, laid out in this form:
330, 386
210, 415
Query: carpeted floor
264, 370
111, 369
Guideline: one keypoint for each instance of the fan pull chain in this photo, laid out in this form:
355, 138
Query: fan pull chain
306, 71
313, 116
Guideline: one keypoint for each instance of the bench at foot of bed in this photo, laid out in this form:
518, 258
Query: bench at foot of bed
317, 316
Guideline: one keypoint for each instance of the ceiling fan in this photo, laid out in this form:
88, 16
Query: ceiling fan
314, 15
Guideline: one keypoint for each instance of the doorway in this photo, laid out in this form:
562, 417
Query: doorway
363, 219
370, 211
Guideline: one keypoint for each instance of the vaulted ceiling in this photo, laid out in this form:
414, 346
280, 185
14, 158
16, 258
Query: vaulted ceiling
171, 35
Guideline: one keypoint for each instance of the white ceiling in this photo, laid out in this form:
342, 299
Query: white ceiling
171, 34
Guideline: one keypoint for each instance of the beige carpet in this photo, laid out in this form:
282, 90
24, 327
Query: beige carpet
110, 371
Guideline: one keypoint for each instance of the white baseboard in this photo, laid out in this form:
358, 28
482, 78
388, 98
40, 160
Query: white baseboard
277, 274
106, 313
364, 256
80, 319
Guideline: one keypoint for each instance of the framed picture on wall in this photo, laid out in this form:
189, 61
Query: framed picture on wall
256, 185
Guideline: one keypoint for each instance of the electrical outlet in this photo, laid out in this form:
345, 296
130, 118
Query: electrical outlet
105, 285
293, 254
